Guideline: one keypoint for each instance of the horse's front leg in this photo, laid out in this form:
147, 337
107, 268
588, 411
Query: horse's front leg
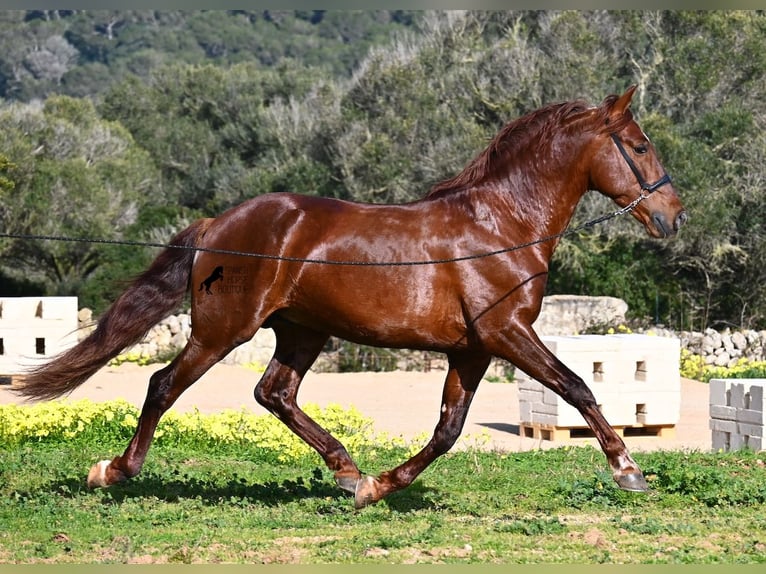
522, 347
463, 378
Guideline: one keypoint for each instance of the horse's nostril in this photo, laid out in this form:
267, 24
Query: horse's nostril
681, 220
660, 223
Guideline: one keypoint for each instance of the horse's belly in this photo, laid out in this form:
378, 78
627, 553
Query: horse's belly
383, 327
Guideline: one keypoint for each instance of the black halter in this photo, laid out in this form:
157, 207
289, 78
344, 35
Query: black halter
641, 181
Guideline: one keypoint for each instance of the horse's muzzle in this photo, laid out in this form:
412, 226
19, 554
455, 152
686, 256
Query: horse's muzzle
665, 228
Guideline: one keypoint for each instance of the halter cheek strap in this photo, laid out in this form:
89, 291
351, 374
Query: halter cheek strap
641, 181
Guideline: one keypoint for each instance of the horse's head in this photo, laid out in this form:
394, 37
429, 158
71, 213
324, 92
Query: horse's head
626, 168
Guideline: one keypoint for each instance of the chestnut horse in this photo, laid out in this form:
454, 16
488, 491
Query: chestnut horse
435, 274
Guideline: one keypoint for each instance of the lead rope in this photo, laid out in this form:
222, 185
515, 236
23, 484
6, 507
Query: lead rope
645, 187
627, 209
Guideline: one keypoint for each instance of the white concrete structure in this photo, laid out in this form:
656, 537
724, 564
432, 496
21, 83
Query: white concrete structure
34, 329
737, 413
635, 379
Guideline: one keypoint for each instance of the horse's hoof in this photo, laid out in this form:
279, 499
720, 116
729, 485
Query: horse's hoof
97, 475
366, 492
347, 483
634, 482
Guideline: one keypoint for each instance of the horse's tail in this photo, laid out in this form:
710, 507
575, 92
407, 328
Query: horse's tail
152, 296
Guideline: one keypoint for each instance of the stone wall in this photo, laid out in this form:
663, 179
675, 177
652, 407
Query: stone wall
171, 334
575, 314
560, 315
721, 348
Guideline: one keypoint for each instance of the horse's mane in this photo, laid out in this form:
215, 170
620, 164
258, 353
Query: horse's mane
529, 132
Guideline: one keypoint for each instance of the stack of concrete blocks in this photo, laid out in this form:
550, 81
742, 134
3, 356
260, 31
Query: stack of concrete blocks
737, 415
635, 379
34, 329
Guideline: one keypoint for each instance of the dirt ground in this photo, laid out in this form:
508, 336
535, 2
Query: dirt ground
399, 403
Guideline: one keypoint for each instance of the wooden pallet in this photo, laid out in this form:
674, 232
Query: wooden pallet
554, 433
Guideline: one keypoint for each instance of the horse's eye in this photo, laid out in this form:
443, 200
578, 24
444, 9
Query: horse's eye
640, 149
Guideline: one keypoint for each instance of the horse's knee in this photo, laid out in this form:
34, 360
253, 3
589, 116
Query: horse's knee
575, 392
581, 396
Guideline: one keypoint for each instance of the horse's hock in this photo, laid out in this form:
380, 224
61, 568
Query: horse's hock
32, 330
635, 379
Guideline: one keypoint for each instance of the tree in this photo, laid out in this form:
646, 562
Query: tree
52, 60
77, 176
7, 185
712, 133
205, 128
140, 41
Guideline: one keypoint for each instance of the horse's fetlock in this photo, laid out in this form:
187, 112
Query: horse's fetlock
130, 472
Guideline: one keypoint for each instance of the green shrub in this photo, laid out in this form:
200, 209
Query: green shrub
727, 479
694, 367
115, 421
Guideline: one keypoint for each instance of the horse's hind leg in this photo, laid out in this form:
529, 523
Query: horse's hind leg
297, 348
464, 375
165, 386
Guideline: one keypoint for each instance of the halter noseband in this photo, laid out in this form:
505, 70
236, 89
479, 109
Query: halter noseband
641, 181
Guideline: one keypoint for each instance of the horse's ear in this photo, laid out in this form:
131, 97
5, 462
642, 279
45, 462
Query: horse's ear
622, 103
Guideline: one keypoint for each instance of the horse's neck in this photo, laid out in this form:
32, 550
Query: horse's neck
545, 203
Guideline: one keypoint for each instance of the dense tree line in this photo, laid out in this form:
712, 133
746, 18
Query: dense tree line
83, 52
141, 156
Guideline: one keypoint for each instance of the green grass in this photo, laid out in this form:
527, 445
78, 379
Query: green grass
236, 488
233, 505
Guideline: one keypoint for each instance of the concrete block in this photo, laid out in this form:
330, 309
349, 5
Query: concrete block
755, 402
548, 420
546, 409
736, 441
530, 385
568, 416
717, 392
737, 395
723, 413
754, 443
550, 397
738, 402
525, 412
723, 426
530, 396
720, 440
634, 378
749, 430
34, 329
748, 416
663, 413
